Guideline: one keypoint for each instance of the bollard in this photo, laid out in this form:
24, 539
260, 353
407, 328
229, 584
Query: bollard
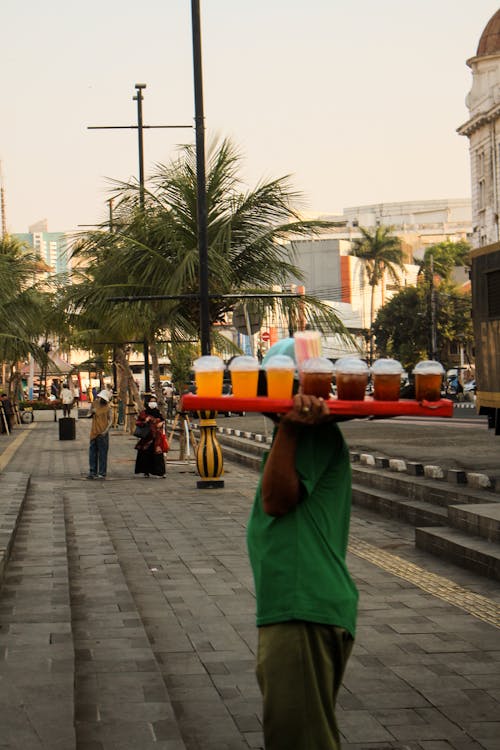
209, 459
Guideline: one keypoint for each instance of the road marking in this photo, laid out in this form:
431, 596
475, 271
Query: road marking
8, 453
475, 604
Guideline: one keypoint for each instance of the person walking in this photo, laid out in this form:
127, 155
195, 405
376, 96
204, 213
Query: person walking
168, 392
153, 444
67, 398
100, 413
76, 394
306, 600
7, 416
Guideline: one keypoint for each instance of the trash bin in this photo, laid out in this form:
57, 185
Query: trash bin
67, 429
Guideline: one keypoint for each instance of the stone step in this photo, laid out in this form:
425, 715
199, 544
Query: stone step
409, 499
420, 488
481, 520
37, 665
14, 490
469, 552
390, 505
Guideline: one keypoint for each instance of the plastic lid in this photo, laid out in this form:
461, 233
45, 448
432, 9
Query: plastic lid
387, 367
317, 364
244, 363
279, 362
208, 363
428, 367
351, 365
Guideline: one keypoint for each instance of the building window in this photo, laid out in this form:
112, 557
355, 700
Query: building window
481, 194
480, 164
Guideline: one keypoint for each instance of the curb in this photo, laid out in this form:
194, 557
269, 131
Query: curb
476, 480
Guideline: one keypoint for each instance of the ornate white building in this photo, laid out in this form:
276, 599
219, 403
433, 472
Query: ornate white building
483, 131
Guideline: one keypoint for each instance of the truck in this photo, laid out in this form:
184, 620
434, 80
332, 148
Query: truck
485, 280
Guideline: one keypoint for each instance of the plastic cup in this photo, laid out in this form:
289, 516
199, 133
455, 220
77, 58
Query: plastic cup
316, 375
386, 376
352, 378
428, 380
208, 375
279, 375
244, 376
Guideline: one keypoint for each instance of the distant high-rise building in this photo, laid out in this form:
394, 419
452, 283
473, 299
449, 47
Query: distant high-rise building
51, 246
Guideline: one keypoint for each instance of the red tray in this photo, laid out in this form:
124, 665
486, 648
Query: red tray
366, 408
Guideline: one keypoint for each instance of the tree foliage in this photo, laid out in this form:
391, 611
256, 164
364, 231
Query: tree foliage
445, 257
402, 327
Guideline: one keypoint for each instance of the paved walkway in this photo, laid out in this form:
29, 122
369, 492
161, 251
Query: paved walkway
127, 616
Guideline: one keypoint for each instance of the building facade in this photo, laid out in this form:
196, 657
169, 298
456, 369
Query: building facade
483, 131
51, 246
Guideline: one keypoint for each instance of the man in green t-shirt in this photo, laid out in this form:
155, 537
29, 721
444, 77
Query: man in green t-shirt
306, 600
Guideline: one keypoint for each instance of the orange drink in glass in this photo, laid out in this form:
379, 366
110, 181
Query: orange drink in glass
244, 376
208, 375
280, 370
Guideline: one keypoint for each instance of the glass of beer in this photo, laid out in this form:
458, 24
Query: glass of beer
352, 378
386, 376
208, 375
316, 375
428, 380
279, 375
244, 376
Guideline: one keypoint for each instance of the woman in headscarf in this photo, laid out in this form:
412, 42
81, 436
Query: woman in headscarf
151, 447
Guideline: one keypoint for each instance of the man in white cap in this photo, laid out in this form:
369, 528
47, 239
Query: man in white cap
100, 413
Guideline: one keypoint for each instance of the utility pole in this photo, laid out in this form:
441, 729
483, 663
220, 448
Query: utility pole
139, 87
201, 179
433, 313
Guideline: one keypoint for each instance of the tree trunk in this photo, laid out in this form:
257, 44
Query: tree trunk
156, 376
372, 318
129, 391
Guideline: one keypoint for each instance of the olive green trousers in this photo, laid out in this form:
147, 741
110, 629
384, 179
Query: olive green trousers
300, 666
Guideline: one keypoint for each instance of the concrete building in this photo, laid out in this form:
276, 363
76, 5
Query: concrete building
335, 276
483, 131
418, 224
52, 246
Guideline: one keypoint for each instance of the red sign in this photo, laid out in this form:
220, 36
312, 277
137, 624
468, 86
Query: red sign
265, 336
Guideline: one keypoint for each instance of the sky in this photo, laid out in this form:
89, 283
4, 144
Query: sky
357, 100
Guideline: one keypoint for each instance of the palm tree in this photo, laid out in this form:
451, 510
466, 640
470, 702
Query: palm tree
153, 249
381, 252
21, 305
247, 231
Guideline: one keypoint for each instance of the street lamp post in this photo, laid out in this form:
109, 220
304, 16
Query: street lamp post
209, 455
139, 87
200, 178
139, 98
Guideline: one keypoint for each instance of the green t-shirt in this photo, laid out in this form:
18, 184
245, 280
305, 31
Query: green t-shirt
298, 560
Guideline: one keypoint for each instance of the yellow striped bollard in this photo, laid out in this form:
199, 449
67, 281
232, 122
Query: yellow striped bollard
209, 461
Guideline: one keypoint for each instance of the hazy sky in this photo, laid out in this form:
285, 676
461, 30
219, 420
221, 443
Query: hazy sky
358, 100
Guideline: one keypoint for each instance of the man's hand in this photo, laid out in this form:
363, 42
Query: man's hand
306, 411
